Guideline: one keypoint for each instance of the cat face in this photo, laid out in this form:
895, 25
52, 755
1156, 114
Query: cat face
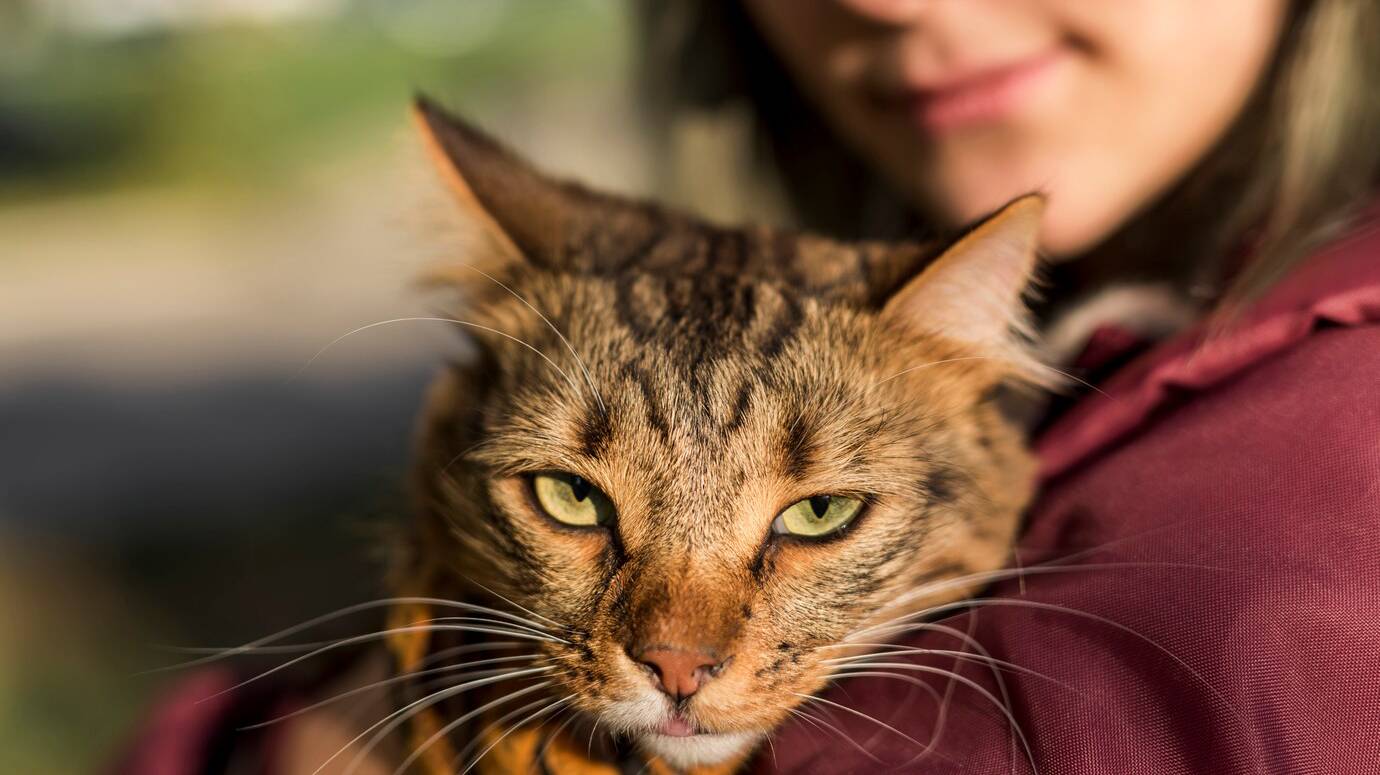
707, 455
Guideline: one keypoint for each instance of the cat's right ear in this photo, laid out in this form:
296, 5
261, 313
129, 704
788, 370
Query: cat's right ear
974, 292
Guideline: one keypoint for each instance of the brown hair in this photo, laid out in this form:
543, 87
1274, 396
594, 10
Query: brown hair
1294, 167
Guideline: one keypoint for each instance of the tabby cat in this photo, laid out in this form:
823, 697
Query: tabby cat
690, 467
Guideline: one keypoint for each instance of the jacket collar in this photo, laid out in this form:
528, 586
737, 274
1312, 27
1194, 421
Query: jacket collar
1339, 286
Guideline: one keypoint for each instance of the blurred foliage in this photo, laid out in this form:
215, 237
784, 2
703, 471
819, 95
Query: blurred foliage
234, 105
241, 102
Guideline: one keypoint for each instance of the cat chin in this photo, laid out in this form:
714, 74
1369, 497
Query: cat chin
697, 750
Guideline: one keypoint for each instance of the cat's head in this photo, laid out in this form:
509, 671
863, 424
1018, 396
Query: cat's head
712, 454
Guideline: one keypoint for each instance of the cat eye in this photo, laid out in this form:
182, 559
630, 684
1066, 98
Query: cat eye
817, 516
572, 500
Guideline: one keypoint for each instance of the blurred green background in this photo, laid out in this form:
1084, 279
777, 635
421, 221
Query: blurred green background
195, 197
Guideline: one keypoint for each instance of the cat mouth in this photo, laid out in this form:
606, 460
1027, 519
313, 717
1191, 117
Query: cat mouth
676, 725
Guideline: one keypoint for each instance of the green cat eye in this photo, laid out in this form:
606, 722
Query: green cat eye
818, 516
572, 500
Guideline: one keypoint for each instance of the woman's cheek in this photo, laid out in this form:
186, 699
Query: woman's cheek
1153, 85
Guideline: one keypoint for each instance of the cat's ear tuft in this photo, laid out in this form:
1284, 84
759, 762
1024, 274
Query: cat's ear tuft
974, 292
516, 207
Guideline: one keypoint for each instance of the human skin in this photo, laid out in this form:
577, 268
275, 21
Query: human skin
965, 104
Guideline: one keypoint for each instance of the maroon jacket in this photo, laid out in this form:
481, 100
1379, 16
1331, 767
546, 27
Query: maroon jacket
1212, 518
1215, 516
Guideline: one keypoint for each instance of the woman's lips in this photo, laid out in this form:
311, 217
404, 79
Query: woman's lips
979, 96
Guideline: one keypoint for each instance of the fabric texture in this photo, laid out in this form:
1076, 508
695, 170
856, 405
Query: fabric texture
1203, 570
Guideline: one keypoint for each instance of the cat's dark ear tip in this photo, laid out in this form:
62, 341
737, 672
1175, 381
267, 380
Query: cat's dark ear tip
426, 107
453, 133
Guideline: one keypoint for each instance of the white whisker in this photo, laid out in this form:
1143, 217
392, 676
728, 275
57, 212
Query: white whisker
960, 655
981, 602
454, 321
828, 727
929, 747
494, 622
1044, 366
970, 683
516, 605
862, 715
935, 363
546, 745
538, 714
373, 636
456, 723
398, 679
340, 613
588, 380
987, 577
398, 717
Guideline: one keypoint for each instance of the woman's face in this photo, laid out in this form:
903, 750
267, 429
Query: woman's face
967, 103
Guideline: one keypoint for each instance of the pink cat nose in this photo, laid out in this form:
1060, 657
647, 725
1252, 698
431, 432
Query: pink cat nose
680, 672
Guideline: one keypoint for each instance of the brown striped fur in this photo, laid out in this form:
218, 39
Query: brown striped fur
737, 370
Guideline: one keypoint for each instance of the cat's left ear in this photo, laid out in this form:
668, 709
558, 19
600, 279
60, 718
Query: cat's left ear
974, 292
529, 215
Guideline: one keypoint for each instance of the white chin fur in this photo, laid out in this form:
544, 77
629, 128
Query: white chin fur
696, 750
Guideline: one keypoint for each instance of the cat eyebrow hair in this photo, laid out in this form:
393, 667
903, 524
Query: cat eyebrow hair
656, 418
595, 432
787, 321
798, 447
742, 400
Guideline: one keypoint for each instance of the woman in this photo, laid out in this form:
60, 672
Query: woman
1200, 594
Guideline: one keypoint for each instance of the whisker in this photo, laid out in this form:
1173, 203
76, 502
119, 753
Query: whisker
934, 363
455, 321
483, 620
456, 723
546, 745
986, 577
961, 655
969, 640
516, 605
364, 639
827, 727
332, 616
862, 715
219, 652
589, 747
934, 695
455, 651
1043, 366
400, 716
538, 714
975, 686
1020, 569
772, 746
394, 680
554, 330
981, 602
647, 766
929, 747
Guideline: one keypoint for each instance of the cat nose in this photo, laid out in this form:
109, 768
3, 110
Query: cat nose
680, 672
